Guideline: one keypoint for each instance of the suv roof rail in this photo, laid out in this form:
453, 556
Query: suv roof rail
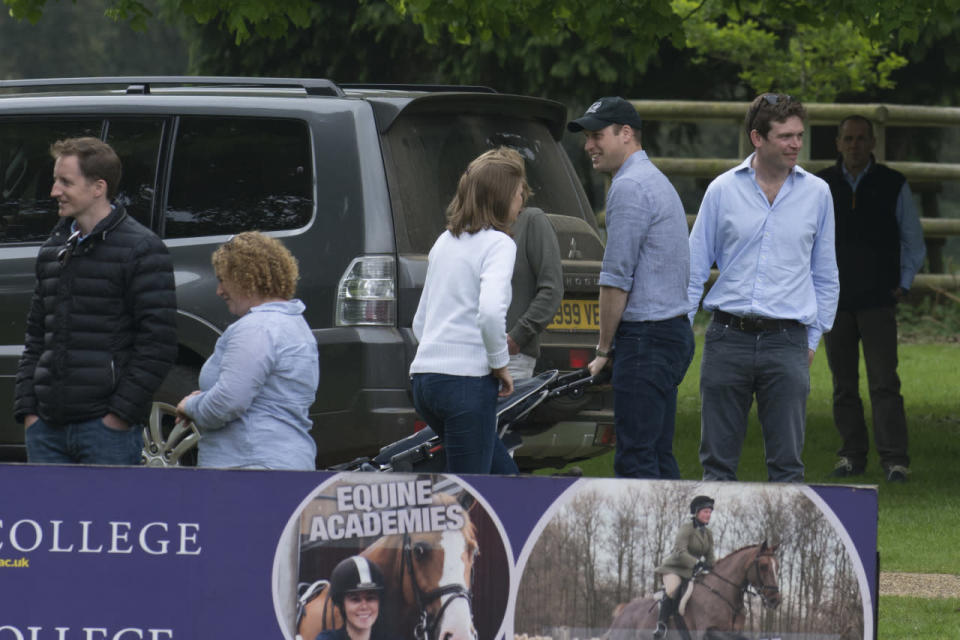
418, 87
142, 84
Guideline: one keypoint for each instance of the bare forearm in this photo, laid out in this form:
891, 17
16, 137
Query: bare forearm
612, 303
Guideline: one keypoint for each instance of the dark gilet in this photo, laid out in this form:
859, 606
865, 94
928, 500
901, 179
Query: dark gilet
867, 236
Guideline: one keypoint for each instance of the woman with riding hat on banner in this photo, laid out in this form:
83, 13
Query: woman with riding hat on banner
357, 589
692, 552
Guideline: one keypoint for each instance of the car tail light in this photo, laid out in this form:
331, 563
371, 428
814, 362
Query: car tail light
366, 294
605, 435
419, 425
579, 358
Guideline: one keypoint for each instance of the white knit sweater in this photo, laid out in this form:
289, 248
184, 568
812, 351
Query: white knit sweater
461, 319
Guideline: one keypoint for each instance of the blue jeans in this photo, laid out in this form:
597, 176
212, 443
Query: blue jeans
650, 360
736, 364
463, 412
87, 442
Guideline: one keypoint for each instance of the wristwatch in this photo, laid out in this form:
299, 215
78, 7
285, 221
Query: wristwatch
604, 354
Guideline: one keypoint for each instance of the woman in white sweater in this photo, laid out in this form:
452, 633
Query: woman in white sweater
461, 362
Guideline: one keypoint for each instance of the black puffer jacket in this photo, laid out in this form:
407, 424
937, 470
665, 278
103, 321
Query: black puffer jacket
101, 334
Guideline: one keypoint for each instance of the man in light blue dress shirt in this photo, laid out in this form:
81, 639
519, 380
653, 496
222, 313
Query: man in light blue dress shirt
643, 299
879, 251
768, 225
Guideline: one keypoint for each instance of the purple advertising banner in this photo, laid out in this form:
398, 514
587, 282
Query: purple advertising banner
155, 554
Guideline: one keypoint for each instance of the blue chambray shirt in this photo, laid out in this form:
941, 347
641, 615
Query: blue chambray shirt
257, 388
775, 260
647, 252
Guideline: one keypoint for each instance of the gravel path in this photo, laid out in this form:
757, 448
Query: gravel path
920, 585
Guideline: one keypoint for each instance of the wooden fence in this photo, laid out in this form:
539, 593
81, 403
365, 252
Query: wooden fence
925, 178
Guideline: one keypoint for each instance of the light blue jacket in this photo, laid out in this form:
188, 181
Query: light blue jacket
256, 390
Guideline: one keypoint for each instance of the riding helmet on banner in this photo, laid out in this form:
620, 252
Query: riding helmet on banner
700, 502
356, 573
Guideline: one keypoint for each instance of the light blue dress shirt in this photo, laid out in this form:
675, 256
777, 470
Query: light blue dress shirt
775, 260
912, 248
256, 390
647, 252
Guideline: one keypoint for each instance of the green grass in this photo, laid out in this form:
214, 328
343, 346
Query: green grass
902, 618
919, 523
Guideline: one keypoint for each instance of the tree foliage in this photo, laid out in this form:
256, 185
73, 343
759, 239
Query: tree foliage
369, 42
564, 48
877, 19
816, 50
799, 59
242, 18
74, 40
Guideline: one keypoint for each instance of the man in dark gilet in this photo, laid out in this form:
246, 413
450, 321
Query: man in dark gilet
880, 248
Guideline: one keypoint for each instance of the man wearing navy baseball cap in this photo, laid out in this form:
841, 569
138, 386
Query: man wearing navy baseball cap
643, 291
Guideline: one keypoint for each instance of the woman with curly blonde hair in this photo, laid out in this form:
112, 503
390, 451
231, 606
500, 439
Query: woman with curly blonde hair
257, 387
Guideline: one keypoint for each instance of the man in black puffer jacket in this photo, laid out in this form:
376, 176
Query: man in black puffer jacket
101, 333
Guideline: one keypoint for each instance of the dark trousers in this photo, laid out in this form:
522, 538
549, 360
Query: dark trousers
462, 410
876, 329
736, 365
650, 360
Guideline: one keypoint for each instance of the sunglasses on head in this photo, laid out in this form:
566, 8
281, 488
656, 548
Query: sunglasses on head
774, 98
771, 99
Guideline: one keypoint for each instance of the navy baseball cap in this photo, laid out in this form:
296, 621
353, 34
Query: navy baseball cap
604, 112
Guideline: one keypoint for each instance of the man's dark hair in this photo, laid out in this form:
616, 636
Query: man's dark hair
855, 118
768, 108
97, 160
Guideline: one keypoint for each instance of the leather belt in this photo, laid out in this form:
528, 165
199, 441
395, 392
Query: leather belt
682, 316
752, 324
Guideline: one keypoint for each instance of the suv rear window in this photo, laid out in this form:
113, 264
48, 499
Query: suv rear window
427, 153
234, 174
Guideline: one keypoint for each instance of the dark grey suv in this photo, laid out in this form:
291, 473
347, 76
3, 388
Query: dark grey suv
353, 179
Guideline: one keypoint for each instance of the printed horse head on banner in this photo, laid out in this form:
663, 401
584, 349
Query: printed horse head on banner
428, 576
717, 601
751, 570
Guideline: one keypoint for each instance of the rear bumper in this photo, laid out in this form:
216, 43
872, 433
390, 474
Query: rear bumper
565, 442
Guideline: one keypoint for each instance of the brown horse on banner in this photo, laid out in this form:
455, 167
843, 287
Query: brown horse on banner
715, 608
428, 576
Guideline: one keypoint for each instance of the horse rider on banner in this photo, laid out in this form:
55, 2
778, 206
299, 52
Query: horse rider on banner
692, 553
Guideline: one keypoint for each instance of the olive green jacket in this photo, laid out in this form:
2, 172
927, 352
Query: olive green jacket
537, 283
693, 544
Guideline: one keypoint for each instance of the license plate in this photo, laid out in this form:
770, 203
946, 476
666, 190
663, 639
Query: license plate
577, 315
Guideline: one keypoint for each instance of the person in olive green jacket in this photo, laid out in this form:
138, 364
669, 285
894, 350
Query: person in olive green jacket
692, 552
537, 286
